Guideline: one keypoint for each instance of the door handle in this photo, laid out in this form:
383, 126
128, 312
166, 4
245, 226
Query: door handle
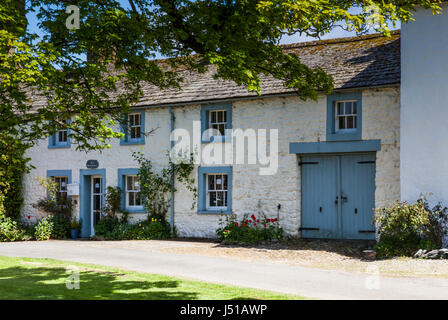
356, 210
337, 200
343, 198
320, 209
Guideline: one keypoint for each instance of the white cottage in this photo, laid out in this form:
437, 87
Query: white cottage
330, 161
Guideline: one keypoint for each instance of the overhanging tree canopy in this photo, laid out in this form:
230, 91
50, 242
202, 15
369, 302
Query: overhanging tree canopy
240, 38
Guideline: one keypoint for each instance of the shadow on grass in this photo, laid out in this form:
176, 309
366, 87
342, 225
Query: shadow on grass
50, 283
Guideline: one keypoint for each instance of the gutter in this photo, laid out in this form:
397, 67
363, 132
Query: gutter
172, 118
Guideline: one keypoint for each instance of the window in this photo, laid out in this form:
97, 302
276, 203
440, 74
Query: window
218, 121
215, 119
133, 128
129, 183
61, 191
133, 198
61, 139
345, 116
215, 190
62, 135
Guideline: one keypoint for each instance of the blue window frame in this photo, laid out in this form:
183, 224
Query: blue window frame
62, 178
61, 139
344, 116
133, 128
126, 182
217, 117
214, 190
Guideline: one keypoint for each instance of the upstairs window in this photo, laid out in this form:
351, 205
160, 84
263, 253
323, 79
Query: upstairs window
215, 119
133, 128
62, 135
135, 125
345, 114
61, 139
218, 122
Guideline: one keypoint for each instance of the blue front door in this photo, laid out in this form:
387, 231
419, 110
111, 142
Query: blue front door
338, 196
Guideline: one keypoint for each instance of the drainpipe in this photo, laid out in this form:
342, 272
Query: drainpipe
172, 176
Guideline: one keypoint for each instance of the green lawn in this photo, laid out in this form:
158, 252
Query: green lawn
26, 278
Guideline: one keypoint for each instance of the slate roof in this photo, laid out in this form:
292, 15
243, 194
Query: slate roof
355, 62
363, 61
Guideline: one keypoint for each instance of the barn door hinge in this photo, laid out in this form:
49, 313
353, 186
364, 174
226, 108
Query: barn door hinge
304, 162
365, 162
308, 229
366, 231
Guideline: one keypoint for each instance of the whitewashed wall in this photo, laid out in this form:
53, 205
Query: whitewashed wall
424, 113
296, 121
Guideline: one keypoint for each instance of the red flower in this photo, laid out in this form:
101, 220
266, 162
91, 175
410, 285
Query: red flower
265, 225
258, 221
29, 217
227, 231
255, 224
247, 221
275, 220
268, 220
236, 224
244, 224
253, 217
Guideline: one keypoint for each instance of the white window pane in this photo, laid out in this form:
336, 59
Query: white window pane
129, 183
355, 108
131, 199
348, 108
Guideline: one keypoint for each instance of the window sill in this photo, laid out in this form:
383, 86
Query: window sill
216, 139
215, 212
59, 146
135, 210
132, 142
344, 136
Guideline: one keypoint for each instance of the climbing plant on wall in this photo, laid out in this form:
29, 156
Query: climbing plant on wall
155, 186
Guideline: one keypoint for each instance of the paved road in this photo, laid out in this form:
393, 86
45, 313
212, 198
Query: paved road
308, 282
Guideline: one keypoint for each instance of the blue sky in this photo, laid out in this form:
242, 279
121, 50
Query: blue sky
336, 33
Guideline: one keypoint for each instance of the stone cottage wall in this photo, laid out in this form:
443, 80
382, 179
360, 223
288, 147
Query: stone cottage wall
296, 121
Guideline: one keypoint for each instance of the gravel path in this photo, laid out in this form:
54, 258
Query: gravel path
329, 255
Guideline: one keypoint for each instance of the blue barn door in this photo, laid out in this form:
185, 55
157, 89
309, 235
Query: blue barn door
338, 196
319, 189
358, 194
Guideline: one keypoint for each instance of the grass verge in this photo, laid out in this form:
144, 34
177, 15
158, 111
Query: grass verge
30, 278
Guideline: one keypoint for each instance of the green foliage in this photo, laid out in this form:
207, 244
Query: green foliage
238, 37
151, 228
156, 186
249, 230
13, 165
11, 231
74, 224
404, 228
113, 201
53, 227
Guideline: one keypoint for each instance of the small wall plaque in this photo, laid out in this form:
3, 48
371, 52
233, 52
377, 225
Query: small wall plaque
92, 164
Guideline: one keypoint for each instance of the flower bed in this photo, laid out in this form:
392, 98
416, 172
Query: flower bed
249, 230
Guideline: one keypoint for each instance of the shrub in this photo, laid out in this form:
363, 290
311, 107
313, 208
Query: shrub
52, 227
249, 230
151, 228
11, 231
404, 228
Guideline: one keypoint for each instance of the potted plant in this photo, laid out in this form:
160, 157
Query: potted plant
74, 229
